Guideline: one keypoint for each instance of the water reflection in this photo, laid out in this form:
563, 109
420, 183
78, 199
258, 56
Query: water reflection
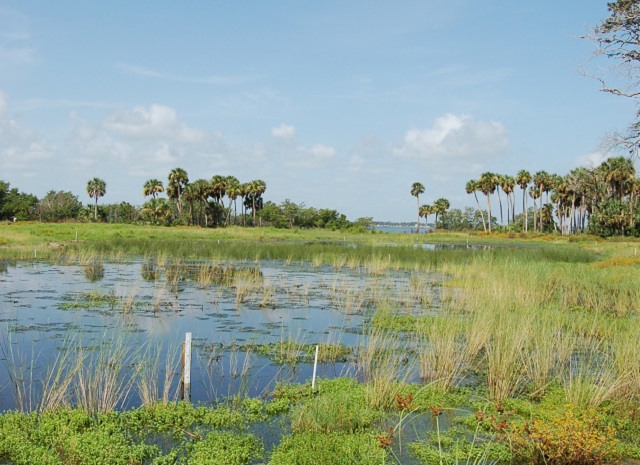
230, 304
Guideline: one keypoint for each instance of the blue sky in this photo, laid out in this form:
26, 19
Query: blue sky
337, 104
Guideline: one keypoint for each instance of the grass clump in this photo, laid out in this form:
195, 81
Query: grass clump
292, 352
340, 406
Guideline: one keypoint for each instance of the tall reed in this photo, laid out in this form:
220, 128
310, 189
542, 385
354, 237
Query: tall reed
591, 378
443, 355
101, 383
382, 363
153, 383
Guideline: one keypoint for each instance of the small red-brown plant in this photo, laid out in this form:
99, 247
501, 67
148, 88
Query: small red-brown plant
404, 403
436, 411
385, 440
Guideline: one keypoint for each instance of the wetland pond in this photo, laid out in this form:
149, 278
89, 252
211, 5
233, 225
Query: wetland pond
253, 323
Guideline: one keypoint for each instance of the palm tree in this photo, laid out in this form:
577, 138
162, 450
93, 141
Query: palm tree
487, 185
618, 172
472, 187
259, 188
534, 194
541, 180
245, 191
416, 190
200, 191
152, 187
440, 206
178, 180
425, 211
523, 178
96, 187
497, 180
218, 188
508, 184
234, 190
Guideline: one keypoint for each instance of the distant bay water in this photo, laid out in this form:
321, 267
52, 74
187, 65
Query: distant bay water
400, 229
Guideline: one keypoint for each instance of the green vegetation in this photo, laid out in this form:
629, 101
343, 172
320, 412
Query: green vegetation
72, 436
526, 353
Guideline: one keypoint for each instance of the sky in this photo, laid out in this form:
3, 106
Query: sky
339, 104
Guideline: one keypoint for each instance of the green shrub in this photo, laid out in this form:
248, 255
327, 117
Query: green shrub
328, 449
218, 448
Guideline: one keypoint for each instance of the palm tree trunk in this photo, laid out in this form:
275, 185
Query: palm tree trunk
253, 210
418, 223
484, 225
525, 210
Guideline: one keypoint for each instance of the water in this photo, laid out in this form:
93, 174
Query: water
148, 308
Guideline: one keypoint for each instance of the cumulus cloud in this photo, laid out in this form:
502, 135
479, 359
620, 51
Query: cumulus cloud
284, 132
3, 104
20, 146
454, 138
591, 160
95, 145
313, 157
156, 122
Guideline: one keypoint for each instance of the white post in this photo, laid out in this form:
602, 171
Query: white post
315, 367
186, 375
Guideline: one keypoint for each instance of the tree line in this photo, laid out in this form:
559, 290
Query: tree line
204, 202
601, 200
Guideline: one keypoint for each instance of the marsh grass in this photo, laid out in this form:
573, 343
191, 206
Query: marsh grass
98, 379
246, 286
340, 406
154, 383
94, 271
504, 354
240, 361
35, 389
521, 319
349, 300
383, 365
443, 356
377, 265
268, 295
591, 378
547, 351
102, 382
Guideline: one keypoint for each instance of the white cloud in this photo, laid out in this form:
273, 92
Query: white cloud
20, 146
591, 160
15, 48
455, 138
3, 104
284, 132
94, 145
212, 79
156, 122
313, 157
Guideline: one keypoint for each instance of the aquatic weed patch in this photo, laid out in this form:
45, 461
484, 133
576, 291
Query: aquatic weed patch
174, 433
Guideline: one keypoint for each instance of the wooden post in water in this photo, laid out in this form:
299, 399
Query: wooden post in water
315, 366
182, 373
186, 369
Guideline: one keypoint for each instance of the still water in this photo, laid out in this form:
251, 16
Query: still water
228, 307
